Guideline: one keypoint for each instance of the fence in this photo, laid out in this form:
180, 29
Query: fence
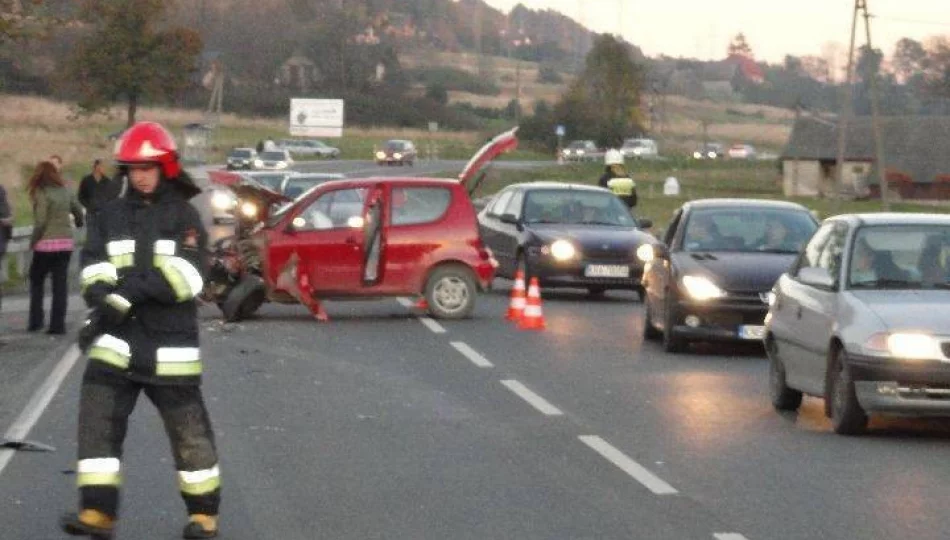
18, 253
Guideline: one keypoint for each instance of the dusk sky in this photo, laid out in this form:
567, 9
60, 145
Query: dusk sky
774, 28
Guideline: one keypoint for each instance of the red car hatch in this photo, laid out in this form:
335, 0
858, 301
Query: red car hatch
500, 144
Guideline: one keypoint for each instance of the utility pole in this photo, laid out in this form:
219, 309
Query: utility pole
844, 115
876, 121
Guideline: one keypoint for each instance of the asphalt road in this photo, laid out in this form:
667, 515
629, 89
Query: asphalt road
382, 424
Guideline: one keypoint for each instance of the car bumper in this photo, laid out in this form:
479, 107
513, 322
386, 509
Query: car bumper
901, 387
551, 274
719, 321
239, 165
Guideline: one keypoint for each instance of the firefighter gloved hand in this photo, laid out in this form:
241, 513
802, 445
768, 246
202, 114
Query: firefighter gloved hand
91, 330
113, 310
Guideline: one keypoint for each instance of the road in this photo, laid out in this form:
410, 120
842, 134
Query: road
383, 424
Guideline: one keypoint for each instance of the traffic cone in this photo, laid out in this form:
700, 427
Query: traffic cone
517, 303
532, 318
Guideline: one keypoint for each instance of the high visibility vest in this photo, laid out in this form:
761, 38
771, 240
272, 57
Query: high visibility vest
621, 187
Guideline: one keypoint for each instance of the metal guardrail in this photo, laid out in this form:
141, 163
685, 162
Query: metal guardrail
18, 253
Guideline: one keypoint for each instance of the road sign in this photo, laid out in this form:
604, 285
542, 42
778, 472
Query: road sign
316, 117
559, 130
433, 127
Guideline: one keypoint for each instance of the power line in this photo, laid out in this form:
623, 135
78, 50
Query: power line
910, 21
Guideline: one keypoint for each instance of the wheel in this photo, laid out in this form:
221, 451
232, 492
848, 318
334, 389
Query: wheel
783, 398
649, 330
671, 343
450, 292
244, 299
847, 416
596, 292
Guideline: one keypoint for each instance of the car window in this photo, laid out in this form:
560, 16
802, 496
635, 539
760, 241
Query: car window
414, 205
831, 253
515, 205
501, 202
273, 156
272, 181
573, 206
900, 257
671, 229
748, 229
241, 153
811, 255
333, 209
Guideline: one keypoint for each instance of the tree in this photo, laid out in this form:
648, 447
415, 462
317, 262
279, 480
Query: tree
130, 56
21, 23
868, 64
739, 46
909, 59
604, 102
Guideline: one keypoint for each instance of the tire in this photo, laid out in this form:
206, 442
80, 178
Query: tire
450, 292
244, 299
847, 416
671, 343
650, 333
783, 398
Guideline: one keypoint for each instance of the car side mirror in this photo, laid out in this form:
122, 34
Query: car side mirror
509, 219
816, 277
644, 223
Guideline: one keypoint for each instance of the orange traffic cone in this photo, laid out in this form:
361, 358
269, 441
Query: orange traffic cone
517, 303
532, 318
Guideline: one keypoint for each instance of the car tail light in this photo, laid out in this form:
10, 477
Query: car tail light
484, 252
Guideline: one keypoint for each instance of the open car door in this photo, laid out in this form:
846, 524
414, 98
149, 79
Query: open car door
472, 175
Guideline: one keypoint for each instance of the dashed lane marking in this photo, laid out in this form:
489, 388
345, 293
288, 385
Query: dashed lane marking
472, 354
533, 399
729, 536
629, 466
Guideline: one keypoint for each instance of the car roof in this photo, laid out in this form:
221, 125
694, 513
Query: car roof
328, 176
551, 184
895, 218
743, 203
242, 148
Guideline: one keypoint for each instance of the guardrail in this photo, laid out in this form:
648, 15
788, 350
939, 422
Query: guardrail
18, 251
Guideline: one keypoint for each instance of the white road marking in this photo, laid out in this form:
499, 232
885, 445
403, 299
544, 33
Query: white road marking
432, 325
533, 399
471, 354
629, 466
729, 536
37, 405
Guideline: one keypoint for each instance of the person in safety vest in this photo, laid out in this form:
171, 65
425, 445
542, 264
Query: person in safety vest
616, 179
142, 268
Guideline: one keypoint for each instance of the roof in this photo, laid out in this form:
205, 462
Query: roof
395, 180
917, 146
896, 218
741, 203
553, 184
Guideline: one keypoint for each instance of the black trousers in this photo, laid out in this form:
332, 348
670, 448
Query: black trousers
107, 400
55, 263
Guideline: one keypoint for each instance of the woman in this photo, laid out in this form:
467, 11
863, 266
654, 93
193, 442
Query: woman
6, 229
52, 243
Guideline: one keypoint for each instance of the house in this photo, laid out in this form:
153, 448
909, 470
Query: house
298, 72
916, 157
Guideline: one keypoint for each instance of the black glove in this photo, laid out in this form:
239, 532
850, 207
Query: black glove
113, 310
91, 330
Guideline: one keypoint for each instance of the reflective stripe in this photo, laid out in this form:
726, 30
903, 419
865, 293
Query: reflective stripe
99, 272
199, 482
121, 253
119, 302
621, 186
178, 369
111, 350
178, 361
165, 247
183, 277
98, 472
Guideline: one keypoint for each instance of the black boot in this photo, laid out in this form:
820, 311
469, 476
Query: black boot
201, 526
90, 523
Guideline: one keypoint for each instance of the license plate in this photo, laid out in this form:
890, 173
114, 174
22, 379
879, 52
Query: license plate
751, 332
607, 270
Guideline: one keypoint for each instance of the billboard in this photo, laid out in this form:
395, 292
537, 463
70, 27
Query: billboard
316, 117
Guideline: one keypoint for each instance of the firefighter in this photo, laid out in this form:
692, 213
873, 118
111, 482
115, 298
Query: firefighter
616, 179
142, 269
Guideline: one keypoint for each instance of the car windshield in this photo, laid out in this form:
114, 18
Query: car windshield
272, 181
273, 156
748, 229
578, 145
634, 143
395, 145
900, 257
298, 185
576, 206
240, 153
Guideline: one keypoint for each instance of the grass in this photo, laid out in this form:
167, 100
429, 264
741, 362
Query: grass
758, 180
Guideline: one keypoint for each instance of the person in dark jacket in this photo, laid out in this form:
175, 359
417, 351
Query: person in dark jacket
142, 269
55, 212
617, 180
6, 230
96, 189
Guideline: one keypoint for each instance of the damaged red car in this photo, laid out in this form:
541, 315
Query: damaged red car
360, 239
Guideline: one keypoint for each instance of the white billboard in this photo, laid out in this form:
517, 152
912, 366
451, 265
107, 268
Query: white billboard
316, 117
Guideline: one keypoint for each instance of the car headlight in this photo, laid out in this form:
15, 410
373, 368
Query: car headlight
580, 152
697, 155
905, 345
397, 155
249, 210
258, 163
712, 155
561, 250
646, 253
701, 288
281, 165
222, 201
380, 155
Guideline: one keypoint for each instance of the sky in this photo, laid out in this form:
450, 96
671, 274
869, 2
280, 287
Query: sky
702, 28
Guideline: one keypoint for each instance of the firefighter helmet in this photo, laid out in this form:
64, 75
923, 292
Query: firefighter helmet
613, 157
149, 142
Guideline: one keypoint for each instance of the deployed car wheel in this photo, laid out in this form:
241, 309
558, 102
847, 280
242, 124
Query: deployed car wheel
649, 331
783, 398
847, 416
450, 292
244, 299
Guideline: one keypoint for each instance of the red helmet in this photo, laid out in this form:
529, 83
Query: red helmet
149, 142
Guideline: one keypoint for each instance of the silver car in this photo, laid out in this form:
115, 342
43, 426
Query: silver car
862, 320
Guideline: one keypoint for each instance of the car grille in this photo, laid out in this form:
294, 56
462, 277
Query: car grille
750, 298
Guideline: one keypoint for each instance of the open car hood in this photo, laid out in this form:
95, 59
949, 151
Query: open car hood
500, 144
247, 188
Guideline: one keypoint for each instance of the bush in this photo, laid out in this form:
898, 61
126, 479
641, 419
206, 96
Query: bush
436, 92
454, 79
549, 75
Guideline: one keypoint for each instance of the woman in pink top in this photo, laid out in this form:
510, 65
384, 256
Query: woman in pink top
52, 244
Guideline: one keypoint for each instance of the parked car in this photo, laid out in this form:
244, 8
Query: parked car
395, 151
305, 147
742, 151
241, 158
639, 149
710, 279
274, 160
581, 151
862, 320
566, 235
271, 179
362, 238
709, 151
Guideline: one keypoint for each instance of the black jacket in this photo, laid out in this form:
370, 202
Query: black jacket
93, 194
143, 264
6, 231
